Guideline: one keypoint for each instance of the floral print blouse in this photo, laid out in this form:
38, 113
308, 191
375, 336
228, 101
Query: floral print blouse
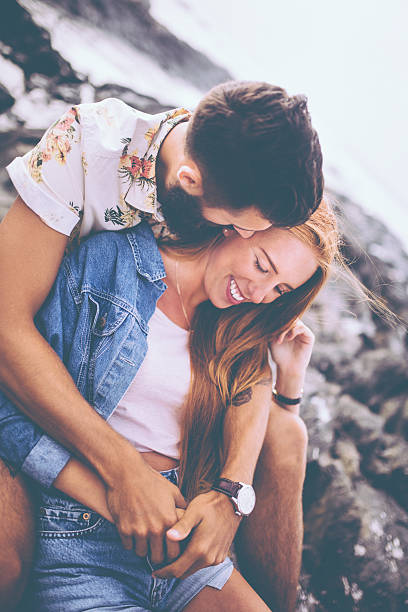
94, 168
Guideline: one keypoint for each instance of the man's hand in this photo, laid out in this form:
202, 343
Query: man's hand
211, 520
143, 505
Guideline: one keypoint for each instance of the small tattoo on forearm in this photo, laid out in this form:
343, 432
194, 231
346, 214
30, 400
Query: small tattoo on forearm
245, 396
242, 398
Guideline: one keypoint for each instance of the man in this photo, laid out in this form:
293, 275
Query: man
247, 157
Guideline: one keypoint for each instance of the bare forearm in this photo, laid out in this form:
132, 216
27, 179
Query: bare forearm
37, 381
244, 432
31, 373
81, 483
291, 352
291, 385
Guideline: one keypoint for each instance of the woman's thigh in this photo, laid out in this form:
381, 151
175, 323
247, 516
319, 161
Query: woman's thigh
80, 563
236, 595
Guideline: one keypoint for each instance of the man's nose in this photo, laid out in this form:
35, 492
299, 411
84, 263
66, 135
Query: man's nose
243, 232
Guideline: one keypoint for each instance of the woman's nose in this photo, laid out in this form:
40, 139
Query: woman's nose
259, 291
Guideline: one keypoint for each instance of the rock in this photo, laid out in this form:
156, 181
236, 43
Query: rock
133, 22
318, 412
346, 450
69, 93
29, 46
355, 347
386, 465
377, 257
355, 534
395, 411
324, 545
374, 377
6, 99
147, 104
357, 422
355, 537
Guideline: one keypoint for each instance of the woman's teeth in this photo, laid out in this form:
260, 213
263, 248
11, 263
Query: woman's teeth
235, 291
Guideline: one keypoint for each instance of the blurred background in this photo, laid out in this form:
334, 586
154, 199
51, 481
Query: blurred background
350, 59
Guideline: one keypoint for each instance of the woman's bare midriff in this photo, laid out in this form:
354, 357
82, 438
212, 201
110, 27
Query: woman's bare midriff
159, 462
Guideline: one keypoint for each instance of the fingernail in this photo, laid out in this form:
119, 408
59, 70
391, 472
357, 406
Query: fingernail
173, 532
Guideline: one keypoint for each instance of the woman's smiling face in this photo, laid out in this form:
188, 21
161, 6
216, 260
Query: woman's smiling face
257, 269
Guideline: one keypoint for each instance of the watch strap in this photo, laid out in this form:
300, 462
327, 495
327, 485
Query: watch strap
224, 485
282, 399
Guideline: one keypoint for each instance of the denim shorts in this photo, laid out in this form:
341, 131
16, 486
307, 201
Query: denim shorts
81, 565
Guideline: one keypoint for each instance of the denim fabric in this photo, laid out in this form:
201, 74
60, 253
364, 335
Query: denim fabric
96, 319
81, 565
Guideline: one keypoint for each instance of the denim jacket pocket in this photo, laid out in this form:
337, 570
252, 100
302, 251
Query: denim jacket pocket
54, 522
106, 320
109, 314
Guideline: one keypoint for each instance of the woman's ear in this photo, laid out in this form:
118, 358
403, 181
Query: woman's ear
190, 178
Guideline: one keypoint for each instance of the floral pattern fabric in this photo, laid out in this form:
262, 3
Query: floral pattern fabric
95, 168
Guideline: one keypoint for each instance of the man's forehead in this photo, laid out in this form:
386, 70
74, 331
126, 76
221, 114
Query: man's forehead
250, 229
246, 219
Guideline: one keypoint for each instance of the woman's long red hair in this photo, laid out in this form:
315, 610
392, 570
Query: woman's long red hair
229, 354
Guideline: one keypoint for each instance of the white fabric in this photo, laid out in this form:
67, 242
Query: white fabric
150, 413
94, 168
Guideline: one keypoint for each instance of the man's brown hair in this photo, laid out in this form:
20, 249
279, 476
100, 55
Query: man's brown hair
255, 146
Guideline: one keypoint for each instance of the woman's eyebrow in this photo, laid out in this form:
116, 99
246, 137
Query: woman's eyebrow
274, 268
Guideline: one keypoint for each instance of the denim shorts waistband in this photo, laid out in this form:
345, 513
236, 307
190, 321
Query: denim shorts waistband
172, 474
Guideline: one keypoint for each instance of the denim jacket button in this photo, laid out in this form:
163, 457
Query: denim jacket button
101, 323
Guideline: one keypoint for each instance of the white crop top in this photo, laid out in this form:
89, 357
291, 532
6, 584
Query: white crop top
150, 413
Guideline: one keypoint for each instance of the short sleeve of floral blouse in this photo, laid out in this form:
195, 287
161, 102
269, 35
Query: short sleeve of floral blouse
49, 178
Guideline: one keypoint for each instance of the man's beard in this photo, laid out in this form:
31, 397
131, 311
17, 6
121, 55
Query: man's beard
182, 213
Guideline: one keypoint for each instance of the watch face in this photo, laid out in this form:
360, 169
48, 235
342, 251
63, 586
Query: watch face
246, 500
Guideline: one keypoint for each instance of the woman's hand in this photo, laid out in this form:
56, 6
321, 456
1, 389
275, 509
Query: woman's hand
291, 352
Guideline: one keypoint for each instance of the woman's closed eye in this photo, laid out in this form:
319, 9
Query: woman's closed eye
280, 289
259, 267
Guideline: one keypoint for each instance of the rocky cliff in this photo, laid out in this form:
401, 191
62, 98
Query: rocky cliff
356, 397
356, 409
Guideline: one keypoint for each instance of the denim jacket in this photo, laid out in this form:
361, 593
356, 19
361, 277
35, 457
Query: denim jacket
96, 319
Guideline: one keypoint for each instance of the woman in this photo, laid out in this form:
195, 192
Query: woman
237, 295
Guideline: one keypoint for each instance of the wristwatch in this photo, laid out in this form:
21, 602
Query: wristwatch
242, 495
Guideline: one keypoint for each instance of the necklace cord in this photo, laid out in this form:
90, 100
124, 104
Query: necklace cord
181, 297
